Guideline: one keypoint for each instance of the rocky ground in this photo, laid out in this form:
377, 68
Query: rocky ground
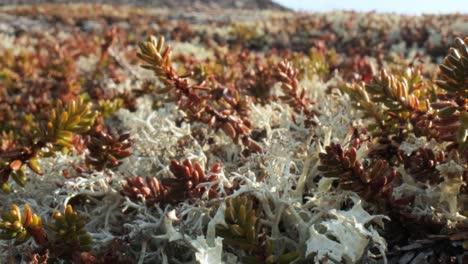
220, 4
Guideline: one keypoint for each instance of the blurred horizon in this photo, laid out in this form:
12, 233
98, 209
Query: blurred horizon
415, 7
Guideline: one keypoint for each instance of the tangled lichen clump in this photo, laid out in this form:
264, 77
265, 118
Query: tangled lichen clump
301, 139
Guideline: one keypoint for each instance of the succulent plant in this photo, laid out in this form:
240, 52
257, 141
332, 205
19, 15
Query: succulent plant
242, 228
293, 95
12, 165
68, 233
151, 190
395, 102
451, 121
371, 182
106, 149
454, 70
220, 108
184, 186
244, 231
421, 164
21, 227
65, 120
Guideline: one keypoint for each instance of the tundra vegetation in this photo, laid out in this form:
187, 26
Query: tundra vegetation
137, 135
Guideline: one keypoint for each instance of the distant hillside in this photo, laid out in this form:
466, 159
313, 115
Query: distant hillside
236, 4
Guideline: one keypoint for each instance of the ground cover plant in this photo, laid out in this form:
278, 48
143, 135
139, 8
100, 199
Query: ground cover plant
137, 135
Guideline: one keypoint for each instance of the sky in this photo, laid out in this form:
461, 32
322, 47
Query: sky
397, 6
